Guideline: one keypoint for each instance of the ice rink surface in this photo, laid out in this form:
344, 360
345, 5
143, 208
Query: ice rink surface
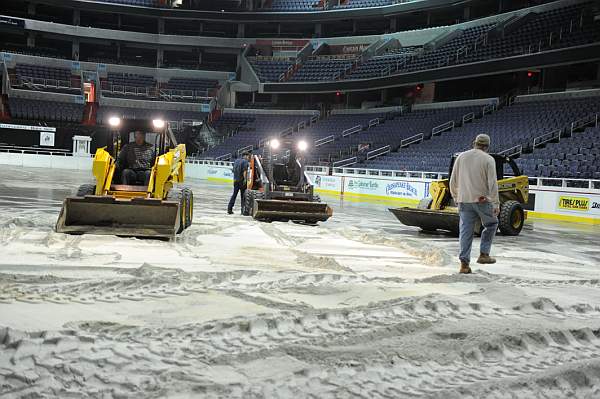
359, 306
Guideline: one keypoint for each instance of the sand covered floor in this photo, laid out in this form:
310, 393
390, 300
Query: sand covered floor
359, 306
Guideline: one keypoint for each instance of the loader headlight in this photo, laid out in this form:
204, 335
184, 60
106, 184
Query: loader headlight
158, 123
302, 145
114, 121
274, 143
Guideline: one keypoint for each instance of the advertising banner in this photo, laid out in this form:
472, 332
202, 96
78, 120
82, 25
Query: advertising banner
387, 189
219, 173
332, 184
47, 139
582, 205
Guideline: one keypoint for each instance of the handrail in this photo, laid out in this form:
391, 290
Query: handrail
223, 157
468, 117
417, 138
586, 121
33, 82
287, 132
374, 122
316, 169
246, 148
488, 109
345, 162
154, 91
35, 150
352, 130
512, 151
314, 119
546, 137
442, 128
378, 152
391, 174
324, 140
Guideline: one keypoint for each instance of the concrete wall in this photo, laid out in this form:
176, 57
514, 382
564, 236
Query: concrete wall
46, 161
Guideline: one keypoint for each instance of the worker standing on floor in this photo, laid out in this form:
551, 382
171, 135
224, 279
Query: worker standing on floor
240, 172
474, 187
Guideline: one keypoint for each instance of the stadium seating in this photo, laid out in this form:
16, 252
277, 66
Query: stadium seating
269, 70
43, 78
37, 110
577, 156
322, 68
515, 125
390, 130
140, 3
365, 4
294, 5
106, 112
382, 64
534, 36
145, 87
563, 27
201, 87
247, 130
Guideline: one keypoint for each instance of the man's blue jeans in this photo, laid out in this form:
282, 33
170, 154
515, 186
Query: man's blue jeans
237, 187
469, 213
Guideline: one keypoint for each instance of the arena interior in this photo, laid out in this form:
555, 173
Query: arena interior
337, 274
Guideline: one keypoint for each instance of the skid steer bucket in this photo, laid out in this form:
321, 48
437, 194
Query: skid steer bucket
137, 217
428, 220
306, 211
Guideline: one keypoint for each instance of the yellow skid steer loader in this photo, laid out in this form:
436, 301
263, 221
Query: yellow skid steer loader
439, 212
160, 209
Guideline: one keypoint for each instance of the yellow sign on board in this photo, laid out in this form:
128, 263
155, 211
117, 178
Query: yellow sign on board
574, 203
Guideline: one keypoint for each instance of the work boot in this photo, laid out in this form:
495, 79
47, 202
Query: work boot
485, 259
464, 268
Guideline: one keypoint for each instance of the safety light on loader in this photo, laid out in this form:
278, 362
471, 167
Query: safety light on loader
302, 145
114, 121
158, 123
274, 143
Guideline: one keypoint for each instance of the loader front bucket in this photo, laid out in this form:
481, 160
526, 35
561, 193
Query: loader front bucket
306, 211
137, 217
427, 219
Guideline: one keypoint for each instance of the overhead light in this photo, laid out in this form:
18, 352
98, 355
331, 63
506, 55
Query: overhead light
302, 145
114, 121
158, 123
274, 143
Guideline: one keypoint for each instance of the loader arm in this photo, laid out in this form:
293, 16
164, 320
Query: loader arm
168, 168
103, 169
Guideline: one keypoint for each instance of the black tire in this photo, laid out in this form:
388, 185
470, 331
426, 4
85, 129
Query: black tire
248, 198
251, 195
188, 195
425, 203
177, 195
86, 189
511, 218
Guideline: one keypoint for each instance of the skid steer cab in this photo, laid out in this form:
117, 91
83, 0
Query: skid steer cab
439, 211
279, 188
153, 204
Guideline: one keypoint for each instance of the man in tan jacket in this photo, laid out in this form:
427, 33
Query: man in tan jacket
474, 187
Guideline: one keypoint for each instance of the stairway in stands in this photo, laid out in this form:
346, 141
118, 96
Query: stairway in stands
4, 111
89, 114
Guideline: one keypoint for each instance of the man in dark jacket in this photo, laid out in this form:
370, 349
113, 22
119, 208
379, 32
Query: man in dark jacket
240, 171
136, 160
